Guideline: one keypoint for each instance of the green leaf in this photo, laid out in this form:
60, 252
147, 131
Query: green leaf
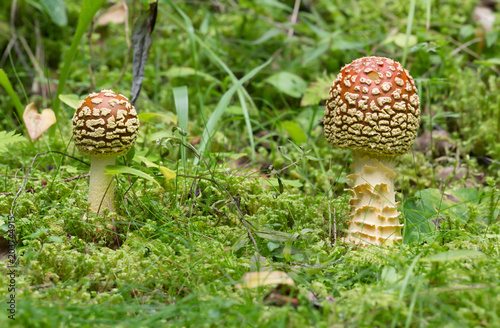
295, 131
71, 100
167, 173
491, 37
7, 138
420, 211
400, 40
287, 250
56, 10
272, 246
317, 90
288, 83
54, 239
121, 169
467, 31
453, 256
274, 235
147, 162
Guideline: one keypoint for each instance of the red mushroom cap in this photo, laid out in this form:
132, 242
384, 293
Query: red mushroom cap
373, 107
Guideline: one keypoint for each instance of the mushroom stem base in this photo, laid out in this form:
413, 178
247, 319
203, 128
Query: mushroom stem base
374, 218
101, 189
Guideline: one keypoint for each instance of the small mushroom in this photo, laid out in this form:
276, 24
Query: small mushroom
374, 110
105, 125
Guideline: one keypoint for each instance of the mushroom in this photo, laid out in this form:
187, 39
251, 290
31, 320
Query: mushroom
105, 125
373, 109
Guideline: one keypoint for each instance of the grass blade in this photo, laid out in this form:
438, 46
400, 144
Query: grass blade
242, 93
182, 108
221, 107
4, 81
87, 12
119, 169
409, 26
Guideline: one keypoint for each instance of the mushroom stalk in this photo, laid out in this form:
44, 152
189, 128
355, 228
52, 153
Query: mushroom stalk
373, 109
101, 188
105, 125
374, 215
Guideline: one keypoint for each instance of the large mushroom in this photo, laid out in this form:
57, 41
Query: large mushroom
105, 125
373, 109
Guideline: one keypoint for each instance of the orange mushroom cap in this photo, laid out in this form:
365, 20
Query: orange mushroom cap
105, 124
373, 107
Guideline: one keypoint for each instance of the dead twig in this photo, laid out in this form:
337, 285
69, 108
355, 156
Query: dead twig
294, 18
77, 177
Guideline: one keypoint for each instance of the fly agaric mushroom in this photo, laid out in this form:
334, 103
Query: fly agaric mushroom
373, 109
105, 125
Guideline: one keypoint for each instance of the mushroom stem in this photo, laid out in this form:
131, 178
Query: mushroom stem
374, 215
101, 189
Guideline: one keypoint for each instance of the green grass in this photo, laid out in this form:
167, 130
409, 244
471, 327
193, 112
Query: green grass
231, 103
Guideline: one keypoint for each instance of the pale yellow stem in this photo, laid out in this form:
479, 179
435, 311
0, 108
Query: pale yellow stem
374, 215
101, 188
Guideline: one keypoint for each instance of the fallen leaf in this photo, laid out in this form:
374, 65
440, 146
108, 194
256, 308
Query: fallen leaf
116, 14
265, 278
37, 123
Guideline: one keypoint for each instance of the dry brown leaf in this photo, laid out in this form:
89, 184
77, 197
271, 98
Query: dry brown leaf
37, 123
117, 14
265, 278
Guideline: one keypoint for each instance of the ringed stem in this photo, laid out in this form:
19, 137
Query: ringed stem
374, 218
